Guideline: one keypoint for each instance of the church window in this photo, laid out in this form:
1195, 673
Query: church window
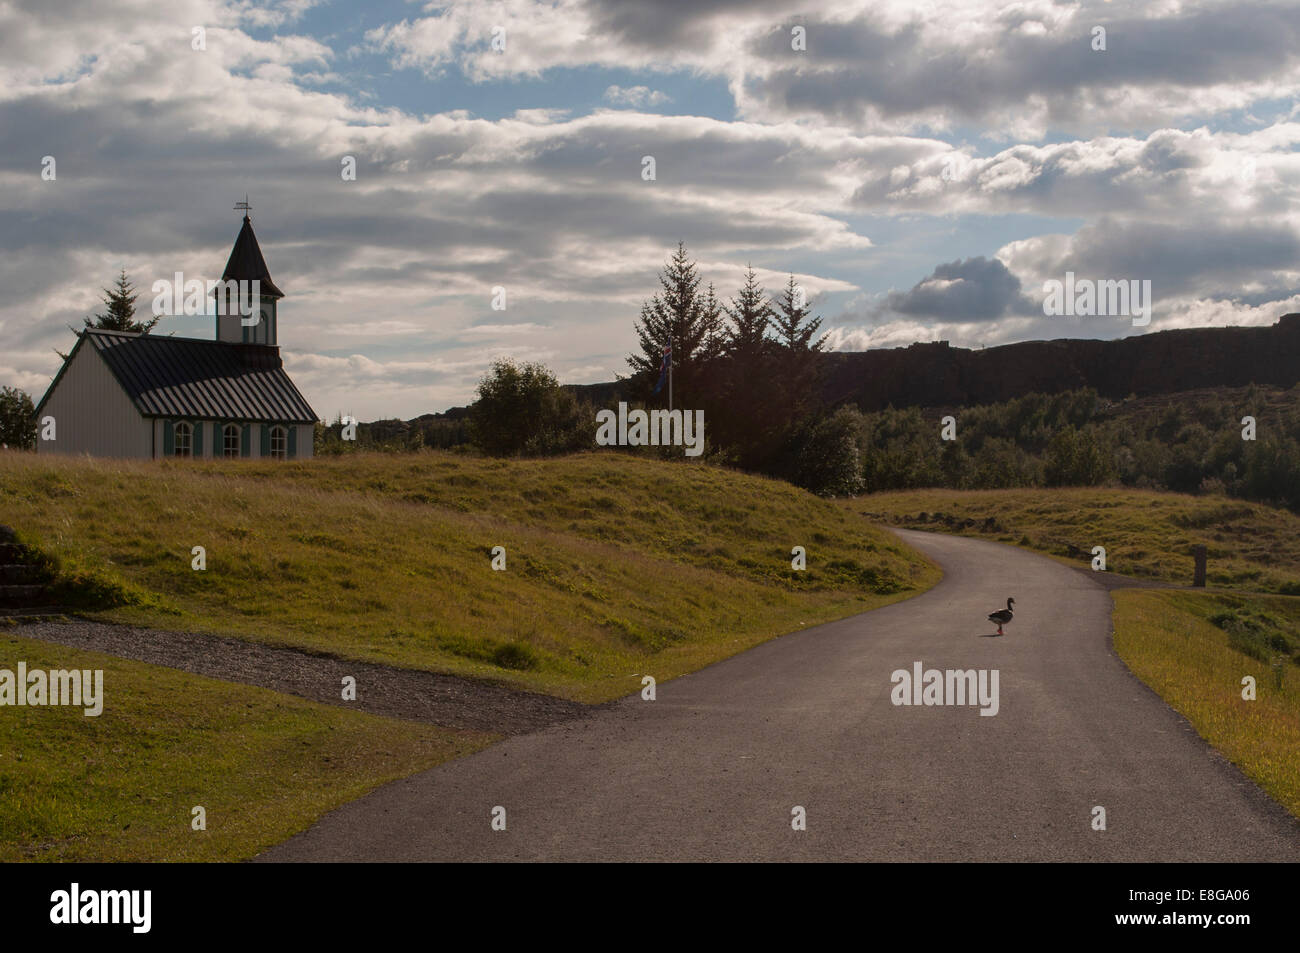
279, 443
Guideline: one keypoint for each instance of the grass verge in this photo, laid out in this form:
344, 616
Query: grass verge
1194, 649
121, 786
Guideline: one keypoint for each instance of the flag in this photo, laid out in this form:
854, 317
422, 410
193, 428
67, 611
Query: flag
663, 368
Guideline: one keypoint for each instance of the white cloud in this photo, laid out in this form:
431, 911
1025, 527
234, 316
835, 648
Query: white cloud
637, 96
389, 278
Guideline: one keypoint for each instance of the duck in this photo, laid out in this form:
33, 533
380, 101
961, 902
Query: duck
1002, 616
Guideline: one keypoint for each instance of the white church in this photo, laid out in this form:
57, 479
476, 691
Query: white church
120, 394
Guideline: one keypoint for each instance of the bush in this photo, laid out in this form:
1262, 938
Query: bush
523, 410
17, 419
1074, 458
826, 457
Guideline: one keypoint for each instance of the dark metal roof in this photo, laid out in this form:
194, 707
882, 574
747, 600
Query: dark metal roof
185, 377
246, 263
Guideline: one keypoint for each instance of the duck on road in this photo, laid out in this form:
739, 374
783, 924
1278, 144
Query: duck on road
1002, 616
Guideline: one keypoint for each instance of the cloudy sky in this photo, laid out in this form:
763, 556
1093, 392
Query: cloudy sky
920, 167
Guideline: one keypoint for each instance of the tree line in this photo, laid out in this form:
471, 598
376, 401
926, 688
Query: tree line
749, 362
752, 363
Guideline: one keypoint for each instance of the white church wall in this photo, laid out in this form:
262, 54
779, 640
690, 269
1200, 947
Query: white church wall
92, 413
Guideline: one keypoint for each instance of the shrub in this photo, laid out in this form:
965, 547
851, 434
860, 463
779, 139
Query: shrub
523, 410
826, 457
17, 419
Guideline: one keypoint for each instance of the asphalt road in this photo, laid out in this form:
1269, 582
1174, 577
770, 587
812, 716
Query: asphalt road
712, 769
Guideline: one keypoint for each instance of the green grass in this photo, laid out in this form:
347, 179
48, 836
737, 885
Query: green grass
1188, 647
121, 786
615, 564
1146, 534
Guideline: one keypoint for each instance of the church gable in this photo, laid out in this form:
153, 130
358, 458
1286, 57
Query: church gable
90, 411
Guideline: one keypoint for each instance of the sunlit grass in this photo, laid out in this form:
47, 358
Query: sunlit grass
1145, 533
1169, 642
615, 564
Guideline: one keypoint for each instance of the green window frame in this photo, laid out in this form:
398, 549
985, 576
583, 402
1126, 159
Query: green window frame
231, 444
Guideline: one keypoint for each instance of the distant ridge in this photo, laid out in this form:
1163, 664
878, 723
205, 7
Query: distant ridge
1162, 362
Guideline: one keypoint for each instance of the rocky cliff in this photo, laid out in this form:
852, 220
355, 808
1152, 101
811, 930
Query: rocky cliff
1157, 363
938, 375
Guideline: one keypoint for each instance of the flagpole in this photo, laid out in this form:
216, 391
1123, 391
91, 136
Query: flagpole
670, 375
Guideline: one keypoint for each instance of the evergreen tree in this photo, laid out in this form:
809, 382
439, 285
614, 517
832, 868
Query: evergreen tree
751, 315
798, 364
750, 421
794, 326
120, 305
691, 322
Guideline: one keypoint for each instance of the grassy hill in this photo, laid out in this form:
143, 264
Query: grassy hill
615, 565
1146, 533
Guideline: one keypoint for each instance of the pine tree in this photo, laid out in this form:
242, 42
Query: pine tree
751, 315
796, 381
681, 316
120, 304
749, 421
794, 328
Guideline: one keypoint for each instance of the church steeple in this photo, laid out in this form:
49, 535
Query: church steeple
246, 264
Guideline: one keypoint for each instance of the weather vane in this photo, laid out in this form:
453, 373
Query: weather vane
244, 205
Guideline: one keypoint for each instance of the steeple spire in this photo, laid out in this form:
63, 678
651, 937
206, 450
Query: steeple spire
246, 262
245, 266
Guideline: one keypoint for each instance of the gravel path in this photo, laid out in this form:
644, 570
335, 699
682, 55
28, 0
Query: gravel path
444, 700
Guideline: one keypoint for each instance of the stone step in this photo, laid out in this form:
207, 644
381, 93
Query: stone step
17, 573
22, 585
26, 614
21, 595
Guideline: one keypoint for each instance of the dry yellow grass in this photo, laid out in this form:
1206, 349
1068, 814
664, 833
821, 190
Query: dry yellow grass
1145, 533
1167, 640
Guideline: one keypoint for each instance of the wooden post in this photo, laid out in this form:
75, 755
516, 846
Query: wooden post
1199, 552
